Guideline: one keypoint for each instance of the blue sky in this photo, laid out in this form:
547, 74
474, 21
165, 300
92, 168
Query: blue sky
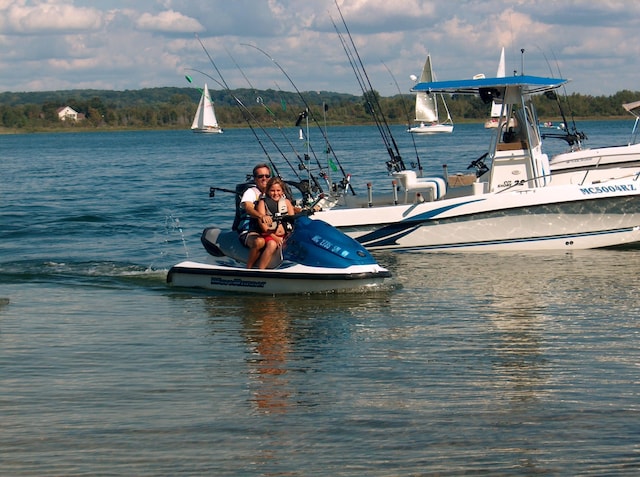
117, 45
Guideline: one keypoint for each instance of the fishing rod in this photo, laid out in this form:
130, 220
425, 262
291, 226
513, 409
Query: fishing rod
303, 114
580, 136
396, 162
304, 186
260, 101
574, 136
308, 145
406, 112
368, 95
245, 114
345, 176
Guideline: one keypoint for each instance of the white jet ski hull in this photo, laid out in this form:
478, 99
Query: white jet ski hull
226, 274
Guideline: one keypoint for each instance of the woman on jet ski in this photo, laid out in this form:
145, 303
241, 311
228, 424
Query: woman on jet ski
273, 205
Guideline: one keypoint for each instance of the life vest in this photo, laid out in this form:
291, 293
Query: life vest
277, 210
242, 221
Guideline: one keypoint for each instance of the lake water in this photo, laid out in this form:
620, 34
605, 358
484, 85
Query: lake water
470, 364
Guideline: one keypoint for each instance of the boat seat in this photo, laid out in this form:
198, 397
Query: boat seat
221, 243
436, 187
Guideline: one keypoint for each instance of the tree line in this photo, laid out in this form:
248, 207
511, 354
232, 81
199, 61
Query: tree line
173, 108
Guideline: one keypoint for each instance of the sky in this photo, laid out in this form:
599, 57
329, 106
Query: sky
48, 45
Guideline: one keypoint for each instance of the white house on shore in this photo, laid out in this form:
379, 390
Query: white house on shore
66, 113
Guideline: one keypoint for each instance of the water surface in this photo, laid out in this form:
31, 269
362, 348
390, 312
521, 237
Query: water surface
481, 364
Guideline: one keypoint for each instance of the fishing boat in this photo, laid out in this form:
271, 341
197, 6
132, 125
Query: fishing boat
205, 120
315, 258
601, 160
515, 203
427, 107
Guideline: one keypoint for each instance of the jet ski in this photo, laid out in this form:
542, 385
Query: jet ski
316, 257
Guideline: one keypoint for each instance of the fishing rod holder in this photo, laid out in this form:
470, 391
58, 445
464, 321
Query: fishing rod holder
212, 191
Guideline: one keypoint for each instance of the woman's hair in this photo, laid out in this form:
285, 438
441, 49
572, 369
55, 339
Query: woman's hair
273, 181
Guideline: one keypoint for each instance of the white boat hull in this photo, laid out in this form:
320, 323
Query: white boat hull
593, 159
226, 274
516, 202
567, 217
211, 130
431, 129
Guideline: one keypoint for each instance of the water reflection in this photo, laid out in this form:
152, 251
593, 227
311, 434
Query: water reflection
289, 338
519, 306
516, 315
266, 327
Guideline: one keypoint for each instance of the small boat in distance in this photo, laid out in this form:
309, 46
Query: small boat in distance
427, 107
205, 119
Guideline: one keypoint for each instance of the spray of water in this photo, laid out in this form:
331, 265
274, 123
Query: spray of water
172, 226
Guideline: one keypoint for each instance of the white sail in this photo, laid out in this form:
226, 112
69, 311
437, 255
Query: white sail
427, 107
205, 119
497, 107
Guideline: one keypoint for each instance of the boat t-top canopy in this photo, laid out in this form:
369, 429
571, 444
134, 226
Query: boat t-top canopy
634, 109
631, 106
531, 84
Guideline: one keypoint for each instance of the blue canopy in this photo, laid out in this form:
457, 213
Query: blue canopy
532, 84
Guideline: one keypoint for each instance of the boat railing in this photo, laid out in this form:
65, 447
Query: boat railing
586, 172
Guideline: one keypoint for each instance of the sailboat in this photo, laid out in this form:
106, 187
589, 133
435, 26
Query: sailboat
496, 108
427, 107
205, 119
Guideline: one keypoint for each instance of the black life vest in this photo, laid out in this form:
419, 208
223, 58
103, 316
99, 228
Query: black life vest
277, 210
243, 221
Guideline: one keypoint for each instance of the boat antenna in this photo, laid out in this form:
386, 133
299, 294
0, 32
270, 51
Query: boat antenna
406, 112
345, 180
396, 162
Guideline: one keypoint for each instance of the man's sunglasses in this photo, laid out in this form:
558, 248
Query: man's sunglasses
263, 176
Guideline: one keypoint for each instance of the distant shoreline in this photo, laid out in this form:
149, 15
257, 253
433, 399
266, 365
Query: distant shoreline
8, 131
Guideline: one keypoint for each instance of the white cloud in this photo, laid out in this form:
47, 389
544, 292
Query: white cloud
169, 21
48, 17
129, 45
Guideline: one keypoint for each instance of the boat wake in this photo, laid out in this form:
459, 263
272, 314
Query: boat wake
84, 273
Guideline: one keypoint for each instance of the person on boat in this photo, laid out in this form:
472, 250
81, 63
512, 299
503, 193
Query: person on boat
248, 229
274, 205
